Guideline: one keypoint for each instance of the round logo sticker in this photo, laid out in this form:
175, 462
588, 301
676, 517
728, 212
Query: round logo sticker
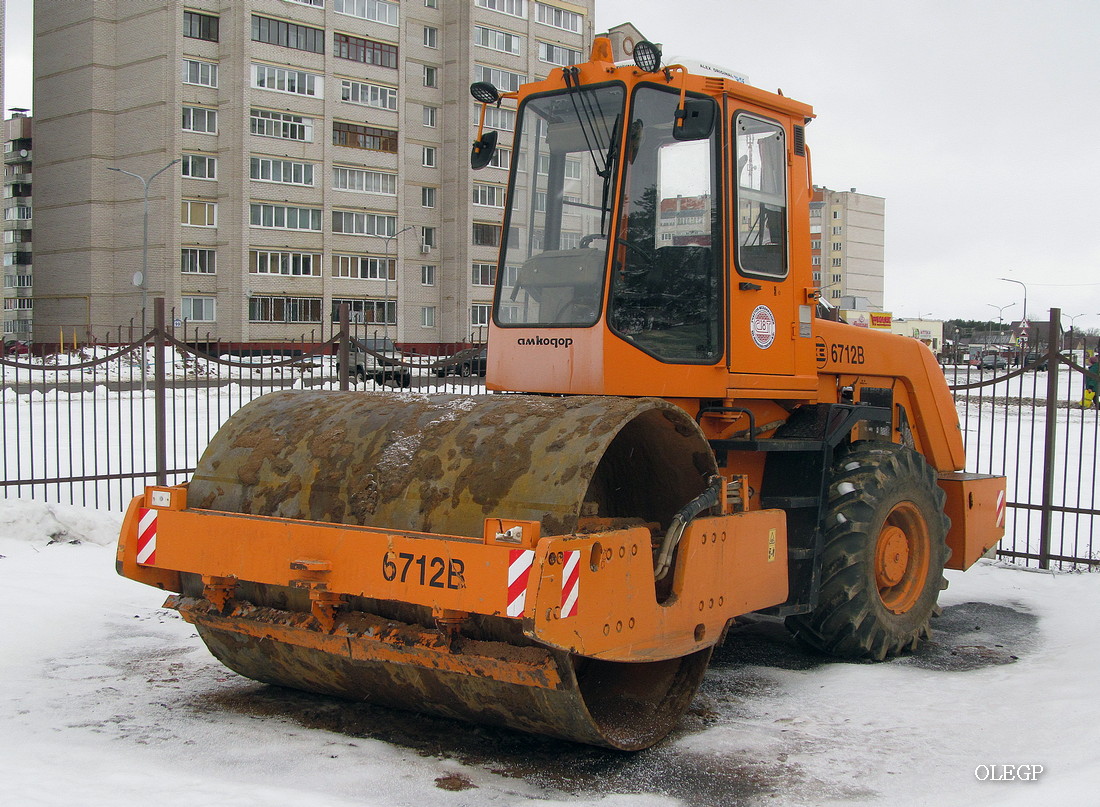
762, 323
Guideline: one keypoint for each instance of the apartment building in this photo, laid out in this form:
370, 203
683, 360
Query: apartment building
847, 237
323, 157
18, 219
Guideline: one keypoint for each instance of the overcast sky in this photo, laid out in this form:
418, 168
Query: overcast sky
972, 118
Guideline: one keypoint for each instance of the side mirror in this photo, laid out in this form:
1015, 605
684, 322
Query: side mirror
482, 153
696, 120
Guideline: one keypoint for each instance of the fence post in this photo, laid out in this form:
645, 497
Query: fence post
1054, 354
343, 361
160, 405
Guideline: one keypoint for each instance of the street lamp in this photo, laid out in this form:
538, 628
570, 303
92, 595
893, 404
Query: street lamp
1000, 311
1071, 321
144, 284
1010, 280
385, 314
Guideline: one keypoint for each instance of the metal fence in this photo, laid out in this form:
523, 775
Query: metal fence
93, 426
1029, 422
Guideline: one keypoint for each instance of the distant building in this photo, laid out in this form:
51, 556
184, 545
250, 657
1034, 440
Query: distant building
847, 240
325, 159
18, 218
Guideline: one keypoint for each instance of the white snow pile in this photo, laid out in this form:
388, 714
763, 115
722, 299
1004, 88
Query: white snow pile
108, 699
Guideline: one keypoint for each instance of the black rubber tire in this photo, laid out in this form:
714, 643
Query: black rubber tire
858, 615
466, 371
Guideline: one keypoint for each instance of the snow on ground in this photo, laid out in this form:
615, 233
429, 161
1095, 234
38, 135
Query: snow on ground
110, 700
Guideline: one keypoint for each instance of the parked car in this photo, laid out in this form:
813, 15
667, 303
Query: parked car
17, 348
993, 362
465, 363
379, 360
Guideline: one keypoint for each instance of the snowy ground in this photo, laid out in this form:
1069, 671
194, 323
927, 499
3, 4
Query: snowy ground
110, 700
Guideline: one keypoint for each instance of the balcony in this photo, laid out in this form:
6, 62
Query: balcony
18, 156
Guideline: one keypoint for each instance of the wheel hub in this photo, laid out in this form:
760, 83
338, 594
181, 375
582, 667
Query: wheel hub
902, 554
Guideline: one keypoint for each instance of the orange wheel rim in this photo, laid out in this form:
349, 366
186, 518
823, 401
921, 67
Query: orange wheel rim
901, 558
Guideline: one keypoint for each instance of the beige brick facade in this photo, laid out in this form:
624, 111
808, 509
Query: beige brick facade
117, 82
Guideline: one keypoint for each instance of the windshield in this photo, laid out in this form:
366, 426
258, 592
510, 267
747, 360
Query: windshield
566, 152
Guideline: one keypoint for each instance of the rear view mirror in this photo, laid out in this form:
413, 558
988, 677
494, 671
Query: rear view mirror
696, 120
482, 153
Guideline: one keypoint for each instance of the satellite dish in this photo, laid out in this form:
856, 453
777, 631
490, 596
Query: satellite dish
139, 279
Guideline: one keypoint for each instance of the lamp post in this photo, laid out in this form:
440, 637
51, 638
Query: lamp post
1072, 318
385, 314
1020, 282
1000, 311
144, 284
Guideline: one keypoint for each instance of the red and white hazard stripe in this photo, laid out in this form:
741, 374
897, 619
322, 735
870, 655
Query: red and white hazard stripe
570, 583
519, 571
1001, 509
147, 536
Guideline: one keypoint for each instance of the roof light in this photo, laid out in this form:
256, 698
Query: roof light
484, 92
647, 56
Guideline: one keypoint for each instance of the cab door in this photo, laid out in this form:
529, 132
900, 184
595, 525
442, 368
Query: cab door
763, 315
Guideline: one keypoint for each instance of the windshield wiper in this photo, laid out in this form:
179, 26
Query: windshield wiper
609, 170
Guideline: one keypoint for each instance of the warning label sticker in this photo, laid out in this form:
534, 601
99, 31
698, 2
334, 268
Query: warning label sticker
762, 323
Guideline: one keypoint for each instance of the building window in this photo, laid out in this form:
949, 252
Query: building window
558, 17
430, 113
374, 10
200, 26
285, 172
501, 79
284, 309
486, 235
479, 315
431, 76
18, 213
282, 79
364, 181
199, 119
428, 157
427, 237
837, 278
194, 213
514, 8
489, 195
836, 262
815, 245
287, 34
556, 54
497, 40
427, 274
281, 125
427, 316
484, 274
381, 312
355, 223
836, 214
837, 230
203, 74
199, 166
502, 158
837, 246
367, 51
431, 3
364, 267
835, 294
198, 309
817, 260
297, 264
373, 95
371, 138
499, 118
314, 3
431, 37
284, 217
427, 197
198, 261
